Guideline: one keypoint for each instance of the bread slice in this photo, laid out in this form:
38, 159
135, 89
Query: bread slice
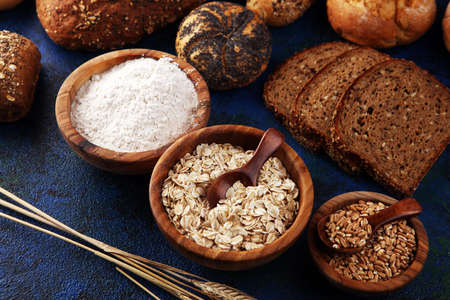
312, 111
283, 86
395, 120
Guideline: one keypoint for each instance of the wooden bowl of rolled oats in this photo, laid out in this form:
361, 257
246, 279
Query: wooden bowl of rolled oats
392, 259
254, 224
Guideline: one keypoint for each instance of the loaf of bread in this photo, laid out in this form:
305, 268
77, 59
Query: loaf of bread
19, 72
381, 23
105, 24
283, 86
446, 27
8, 4
279, 12
226, 42
395, 120
313, 109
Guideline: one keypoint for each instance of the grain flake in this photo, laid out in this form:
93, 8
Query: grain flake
249, 217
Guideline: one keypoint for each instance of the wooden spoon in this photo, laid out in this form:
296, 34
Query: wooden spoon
404, 208
248, 174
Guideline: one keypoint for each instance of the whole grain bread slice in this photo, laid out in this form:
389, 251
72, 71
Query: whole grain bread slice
395, 120
312, 111
282, 87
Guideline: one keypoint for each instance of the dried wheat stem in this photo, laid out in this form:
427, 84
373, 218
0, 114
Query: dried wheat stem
137, 283
144, 266
170, 289
25, 212
130, 262
211, 289
99, 244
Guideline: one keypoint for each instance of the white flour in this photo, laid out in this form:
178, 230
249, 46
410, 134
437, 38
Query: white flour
139, 105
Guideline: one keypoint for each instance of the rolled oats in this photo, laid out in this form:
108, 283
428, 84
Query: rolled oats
248, 218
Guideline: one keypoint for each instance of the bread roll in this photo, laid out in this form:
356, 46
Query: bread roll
226, 42
279, 12
7, 4
381, 23
446, 27
19, 71
106, 24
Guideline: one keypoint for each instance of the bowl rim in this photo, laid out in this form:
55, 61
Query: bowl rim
269, 251
367, 288
66, 94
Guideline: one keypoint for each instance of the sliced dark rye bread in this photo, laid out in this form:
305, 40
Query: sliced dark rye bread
395, 120
283, 85
312, 111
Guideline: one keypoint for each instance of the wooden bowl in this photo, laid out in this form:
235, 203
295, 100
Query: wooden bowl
120, 162
321, 255
248, 138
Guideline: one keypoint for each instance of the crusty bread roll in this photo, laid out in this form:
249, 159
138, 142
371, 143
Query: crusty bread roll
226, 42
279, 13
106, 24
7, 4
446, 27
19, 71
381, 23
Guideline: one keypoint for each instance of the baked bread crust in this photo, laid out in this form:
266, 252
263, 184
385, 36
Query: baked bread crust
312, 111
226, 42
8, 4
107, 24
446, 27
19, 72
282, 79
279, 13
283, 86
401, 159
381, 23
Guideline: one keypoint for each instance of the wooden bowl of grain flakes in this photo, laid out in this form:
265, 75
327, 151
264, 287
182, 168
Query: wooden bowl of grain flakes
122, 162
237, 253
394, 257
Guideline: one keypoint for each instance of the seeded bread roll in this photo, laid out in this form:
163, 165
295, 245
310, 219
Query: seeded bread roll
381, 23
107, 24
19, 71
8, 4
395, 120
312, 111
446, 27
279, 12
226, 42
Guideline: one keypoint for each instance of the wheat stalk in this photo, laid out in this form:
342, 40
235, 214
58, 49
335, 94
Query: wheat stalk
157, 273
137, 283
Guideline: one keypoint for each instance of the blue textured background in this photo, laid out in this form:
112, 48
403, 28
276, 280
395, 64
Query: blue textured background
36, 164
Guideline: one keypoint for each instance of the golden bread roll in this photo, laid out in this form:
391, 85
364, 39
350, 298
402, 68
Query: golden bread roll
106, 24
19, 72
8, 4
279, 12
381, 23
446, 27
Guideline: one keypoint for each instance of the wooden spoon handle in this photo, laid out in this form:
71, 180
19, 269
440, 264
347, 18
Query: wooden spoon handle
270, 142
403, 208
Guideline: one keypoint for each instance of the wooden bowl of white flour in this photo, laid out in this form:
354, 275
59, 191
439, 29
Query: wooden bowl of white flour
120, 111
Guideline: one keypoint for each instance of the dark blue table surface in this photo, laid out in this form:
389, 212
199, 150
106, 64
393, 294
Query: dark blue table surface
39, 166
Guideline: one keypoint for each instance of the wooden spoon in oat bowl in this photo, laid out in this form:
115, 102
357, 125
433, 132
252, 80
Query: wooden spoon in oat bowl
348, 232
247, 174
